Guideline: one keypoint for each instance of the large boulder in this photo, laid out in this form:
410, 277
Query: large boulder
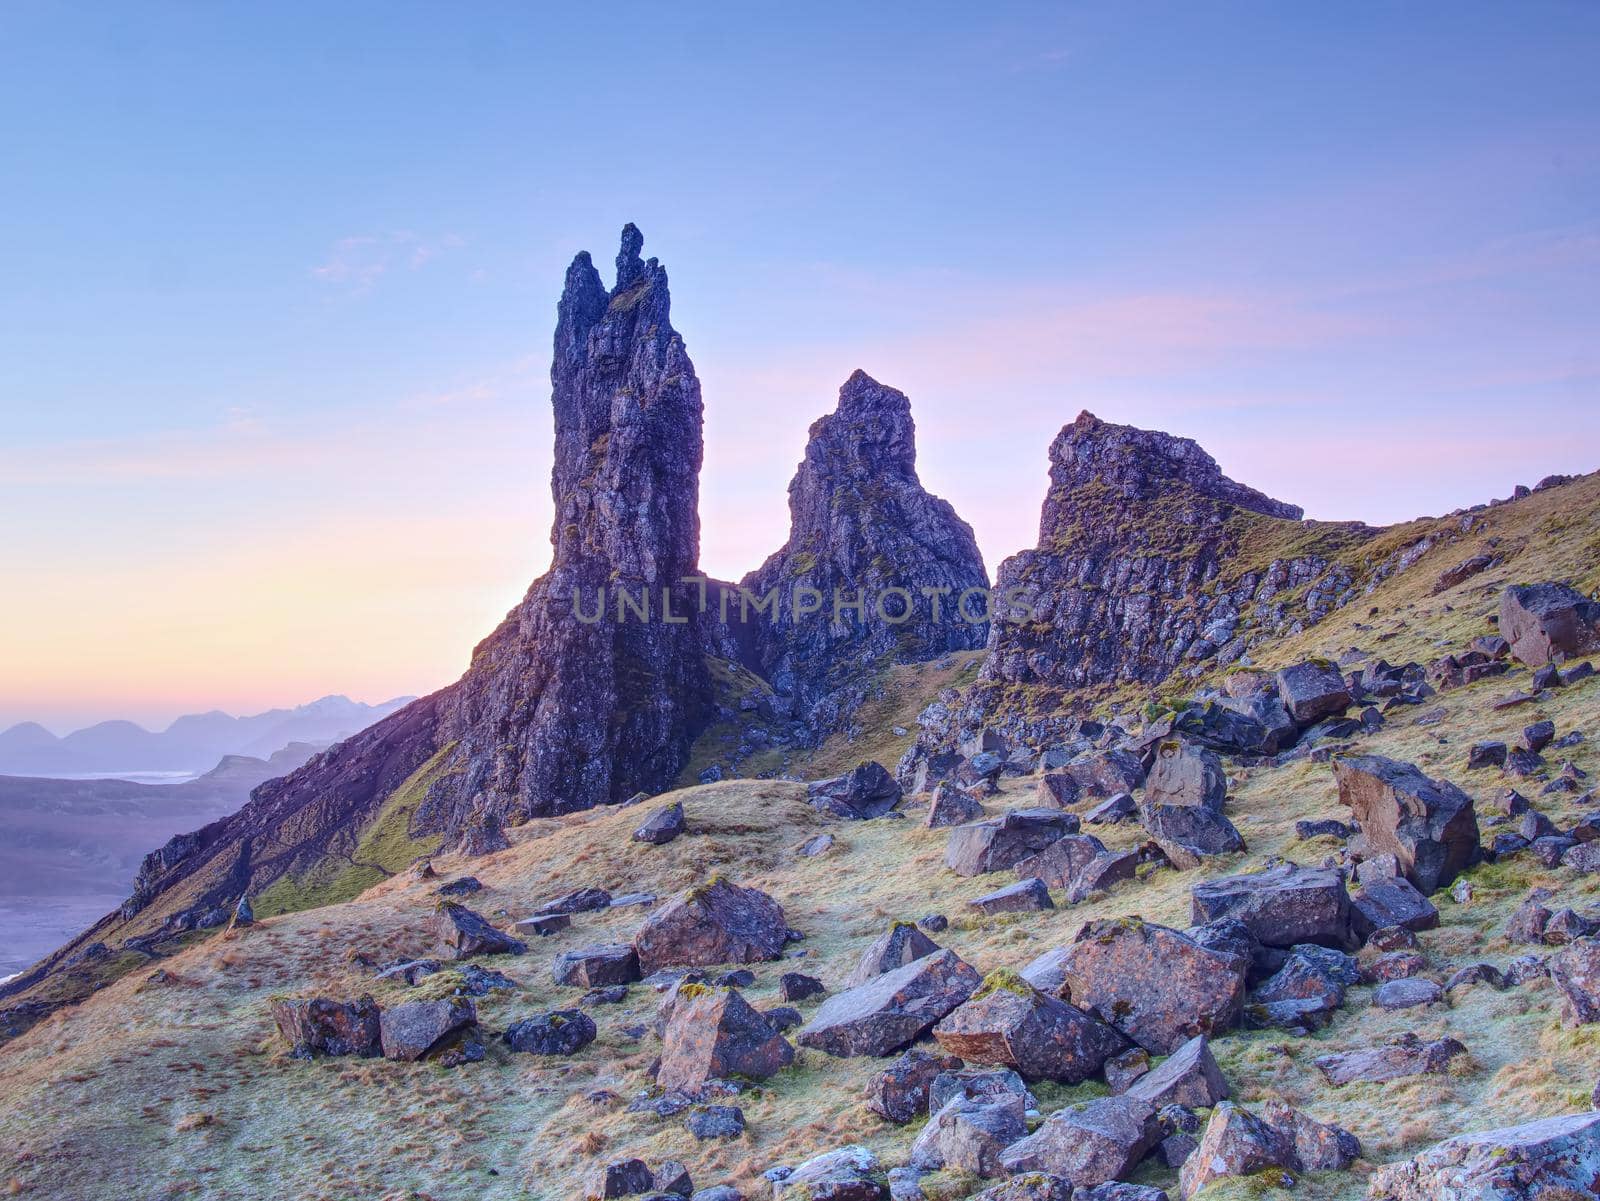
998, 843
597, 966
951, 806
1024, 896
1576, 973
848, 1174
662, 826
315, 1026
1077, 864
1156, 985
893, 1010
1188, 834
897, 946
1185, 774
1103, 774
713, 1034
714, 923
460, 933
1553, 1159
1313, 690
1548, 621
1010, 1023
1282, 907
1039, 1186
1386, 902
1089, 1143
969, 1135
416, 1029
1189, 1076
900, 1092
1429, 826
865, 791
620, 1178
1236, 1143
1319, 1146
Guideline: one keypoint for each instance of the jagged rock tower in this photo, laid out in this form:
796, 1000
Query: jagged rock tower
559, 711
861, 521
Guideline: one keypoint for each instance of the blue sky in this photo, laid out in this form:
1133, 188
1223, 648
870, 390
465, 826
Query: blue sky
274, 349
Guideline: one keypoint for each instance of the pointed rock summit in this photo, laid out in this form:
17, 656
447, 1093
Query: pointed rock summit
862, 527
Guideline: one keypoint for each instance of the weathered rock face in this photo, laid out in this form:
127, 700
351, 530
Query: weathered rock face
417, 1029
1282, 906
863, 792
1189, 1076
597, 966
1012, 1024
714, 1034
1555, 1158
893, 1010
1548, 621
1576, 973
1430, 826
1185, 774
715, 923
462, 933
861, 522
1406, 1056
997, 843
897, 946
1157, 986
1088, 1143
1236, 1143
1188, 834
900, 1092
315, 1026
969, 1135
562, 1032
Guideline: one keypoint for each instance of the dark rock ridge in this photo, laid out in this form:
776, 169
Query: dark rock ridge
862, 523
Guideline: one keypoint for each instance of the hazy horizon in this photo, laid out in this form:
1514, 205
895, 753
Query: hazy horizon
277, 383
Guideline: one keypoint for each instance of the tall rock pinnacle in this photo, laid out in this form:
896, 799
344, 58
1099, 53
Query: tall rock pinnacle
862, 523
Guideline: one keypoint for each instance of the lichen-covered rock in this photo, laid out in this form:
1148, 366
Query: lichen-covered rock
1406, 1056
900, 1092
714, 1033
1281, 907
1189, 1076
1430, 826
416, 1029
662, 826
1388, 904
848, 1174
1237, 1143
620, 1178
1030, 1186
562, 1032
1553, 1159
1105, 773
460, 933
865, 791
1156, 985
597, 966
1319, 1146
1544, 622
970, 1135
1576, 973
893, 1010
1189, 834
1012, 1024
897, 946
1088, 1143
713, 923
1186, 774
315, 1026
999, 843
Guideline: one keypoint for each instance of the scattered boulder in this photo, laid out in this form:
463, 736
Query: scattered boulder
1406, 1056
893, 1010
417, 1029
1554, 1158
1388, 903
1106, 773
1318, 1146
1058, 789
1185, 774
1189, 1076
315, 1026
461, 933
1156, 985
1079, 864
1187, 834
900, 1092
715, 1121
714, 1033
1023, 896
1545, 622
1537, 736
597, 966
563, 1032
1486, 754
1312, 691
1237, 1143
463, 886
969, 1135
796, 986
717, 922
1576, 973
1407, 993
865, 791
1430, 826
1281, 907
1112, 811
897, 946
999, 843
1010, 1023
1122, 1070
621, 1178
662, 826
951, 806
977, 1083
1035, 1186
847, 1174
1089, 1143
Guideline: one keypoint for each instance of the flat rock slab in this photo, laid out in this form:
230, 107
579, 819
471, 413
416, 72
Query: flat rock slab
1011, 1024
1556, 1158
1408, 1056
1155, 984
1021, 897
1282, 906
597, 966
1407, 993
461, 933
892, 1010
1380, 904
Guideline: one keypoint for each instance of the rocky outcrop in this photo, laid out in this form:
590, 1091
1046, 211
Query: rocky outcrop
863, 529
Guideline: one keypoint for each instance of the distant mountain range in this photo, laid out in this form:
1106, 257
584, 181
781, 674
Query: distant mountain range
193, 743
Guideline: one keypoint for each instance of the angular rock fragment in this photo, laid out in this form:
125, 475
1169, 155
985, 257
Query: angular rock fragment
662, 826
897, 946
1185, 774
563, 1032
1312, 691
461, 933
1548, 621
597, 966
998, 843
900, 1092
417, 1029
1388, 903
315, 1026
1429, 826
893, 1010
1188, 834
1023, 896
951, 806
1010, 1023
970, 1136
1407, 1056
1189, 1076
1281, 907
1552, 1159
1576, 973
1237, 1143
713, 1034
717, 922
865, 791
1087, 1144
